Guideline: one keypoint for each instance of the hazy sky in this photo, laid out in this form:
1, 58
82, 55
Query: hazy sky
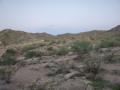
59, 16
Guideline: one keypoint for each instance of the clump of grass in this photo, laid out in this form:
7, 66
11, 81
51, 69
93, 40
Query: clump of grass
81, 47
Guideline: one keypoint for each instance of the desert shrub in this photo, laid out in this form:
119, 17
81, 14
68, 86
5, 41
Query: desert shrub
99, 84
31, 54
81, 46
8, 58
62, 51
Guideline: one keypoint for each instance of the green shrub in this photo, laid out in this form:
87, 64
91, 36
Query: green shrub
31, 54
81, 46
8, 58
62, 51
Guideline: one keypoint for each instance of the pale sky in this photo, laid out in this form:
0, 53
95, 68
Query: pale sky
59, 16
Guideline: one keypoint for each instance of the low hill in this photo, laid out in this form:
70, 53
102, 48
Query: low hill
9, 36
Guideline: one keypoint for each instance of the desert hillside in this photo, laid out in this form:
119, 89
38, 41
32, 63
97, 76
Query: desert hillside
40, 61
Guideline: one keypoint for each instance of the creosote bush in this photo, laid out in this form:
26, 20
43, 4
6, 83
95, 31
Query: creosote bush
81, 47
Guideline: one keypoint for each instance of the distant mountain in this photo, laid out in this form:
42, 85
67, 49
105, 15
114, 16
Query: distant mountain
15, 37
94, 35
117, 28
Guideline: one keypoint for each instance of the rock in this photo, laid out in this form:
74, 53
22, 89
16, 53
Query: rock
79, 68
49, 65
72, 74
